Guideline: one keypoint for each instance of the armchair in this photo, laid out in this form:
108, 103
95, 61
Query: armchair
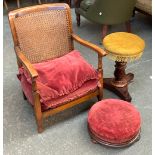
144, 6
43, 34
105, 12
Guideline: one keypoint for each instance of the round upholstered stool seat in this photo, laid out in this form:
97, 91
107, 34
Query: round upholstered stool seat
122, 46
114, 122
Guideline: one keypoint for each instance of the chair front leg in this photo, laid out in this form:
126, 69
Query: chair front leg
38, 113
100, 72
37, 108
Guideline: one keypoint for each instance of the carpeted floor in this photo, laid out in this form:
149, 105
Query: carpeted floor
66, 133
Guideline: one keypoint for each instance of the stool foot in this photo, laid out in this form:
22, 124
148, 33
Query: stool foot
94, 141
129, 77
122, 92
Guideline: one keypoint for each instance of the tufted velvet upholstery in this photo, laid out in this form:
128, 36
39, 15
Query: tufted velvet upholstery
114, 121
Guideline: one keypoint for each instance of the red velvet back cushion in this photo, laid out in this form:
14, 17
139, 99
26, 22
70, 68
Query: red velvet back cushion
62, 75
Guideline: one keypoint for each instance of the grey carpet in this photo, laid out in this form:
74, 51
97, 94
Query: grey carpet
66, 133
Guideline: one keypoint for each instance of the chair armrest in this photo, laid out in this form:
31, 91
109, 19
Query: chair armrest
26, 63
97, 49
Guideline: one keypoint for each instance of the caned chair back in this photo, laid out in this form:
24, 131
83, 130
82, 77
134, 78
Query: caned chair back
42, 32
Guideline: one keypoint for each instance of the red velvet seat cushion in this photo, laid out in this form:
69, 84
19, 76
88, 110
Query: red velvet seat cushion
59, 77
88, 86
113, 120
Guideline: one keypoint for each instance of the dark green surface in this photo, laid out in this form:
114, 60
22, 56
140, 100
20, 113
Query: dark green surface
84, 5
107, 11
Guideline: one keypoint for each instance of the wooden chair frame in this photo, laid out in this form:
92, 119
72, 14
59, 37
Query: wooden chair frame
23, 61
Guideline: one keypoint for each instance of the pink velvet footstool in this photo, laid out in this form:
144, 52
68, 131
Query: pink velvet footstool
114, 123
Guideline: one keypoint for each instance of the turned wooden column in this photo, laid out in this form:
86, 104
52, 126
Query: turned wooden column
121, 78
119, 74
119, 83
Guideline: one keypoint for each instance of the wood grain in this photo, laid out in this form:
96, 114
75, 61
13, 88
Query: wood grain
23, 61
96, 48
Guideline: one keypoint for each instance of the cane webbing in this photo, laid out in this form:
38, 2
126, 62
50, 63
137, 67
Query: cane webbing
44, 35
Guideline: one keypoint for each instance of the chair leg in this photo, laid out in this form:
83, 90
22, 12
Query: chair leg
39, 121
39, 1
5, 4
100, 74
133, 13
78, 19
18, 3
100, 96
25, 98
104, 31
69, 2
39, 125
128, 26
38, 113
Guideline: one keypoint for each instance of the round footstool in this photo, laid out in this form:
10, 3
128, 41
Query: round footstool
122, 47
114, 122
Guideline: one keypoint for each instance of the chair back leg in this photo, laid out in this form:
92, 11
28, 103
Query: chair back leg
18, 3
5, 4
78, 19
128, 26
104, 30
39, 1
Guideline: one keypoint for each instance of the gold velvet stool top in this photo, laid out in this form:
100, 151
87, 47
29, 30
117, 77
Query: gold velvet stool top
122, 47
